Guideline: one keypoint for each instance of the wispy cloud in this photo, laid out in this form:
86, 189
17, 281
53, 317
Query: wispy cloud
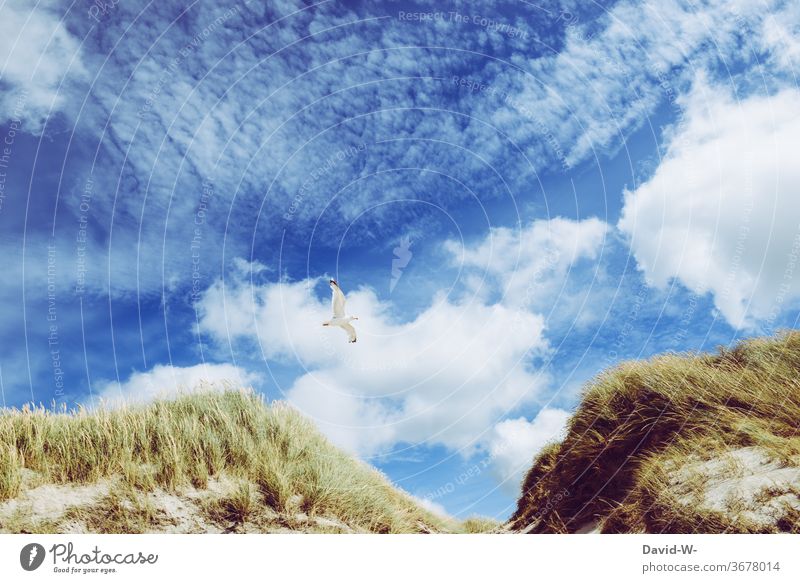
40, 60
526, 267
258, 100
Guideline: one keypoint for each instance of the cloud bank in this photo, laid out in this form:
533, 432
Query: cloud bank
721, 213
444, 376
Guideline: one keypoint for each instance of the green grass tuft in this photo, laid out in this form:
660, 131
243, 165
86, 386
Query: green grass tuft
478, 525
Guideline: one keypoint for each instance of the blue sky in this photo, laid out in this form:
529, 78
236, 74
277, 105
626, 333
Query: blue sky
560, 186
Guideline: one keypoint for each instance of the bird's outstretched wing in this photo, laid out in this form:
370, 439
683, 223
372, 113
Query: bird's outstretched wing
337, 301
351, 332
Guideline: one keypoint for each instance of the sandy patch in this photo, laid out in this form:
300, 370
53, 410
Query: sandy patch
745, 483
49, 502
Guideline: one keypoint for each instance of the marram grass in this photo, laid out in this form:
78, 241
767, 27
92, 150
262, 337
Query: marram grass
641, 421
277, 457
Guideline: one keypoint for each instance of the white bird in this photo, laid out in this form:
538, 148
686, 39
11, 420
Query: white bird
339, 319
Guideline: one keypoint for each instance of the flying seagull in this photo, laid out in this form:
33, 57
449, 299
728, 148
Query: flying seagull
339, 319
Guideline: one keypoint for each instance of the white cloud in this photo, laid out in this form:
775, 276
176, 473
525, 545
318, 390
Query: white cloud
779, 36
432, 506
203, 102
615, 70
515, 442
722, 212
36, 53
443, 377
526, 266
167, 381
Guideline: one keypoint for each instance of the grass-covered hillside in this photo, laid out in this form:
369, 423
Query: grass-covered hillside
209, 462
679, 443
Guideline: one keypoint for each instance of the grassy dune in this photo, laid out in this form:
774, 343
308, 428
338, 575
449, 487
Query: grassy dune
680, 443
226, 457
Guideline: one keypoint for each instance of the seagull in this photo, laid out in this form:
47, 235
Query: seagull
339, 319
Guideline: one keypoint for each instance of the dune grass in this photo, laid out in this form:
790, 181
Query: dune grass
237, 506
278, 458
478, 525
640, 422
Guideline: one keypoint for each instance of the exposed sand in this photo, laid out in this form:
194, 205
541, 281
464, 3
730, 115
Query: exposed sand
744, 483
48, 502
45, 505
